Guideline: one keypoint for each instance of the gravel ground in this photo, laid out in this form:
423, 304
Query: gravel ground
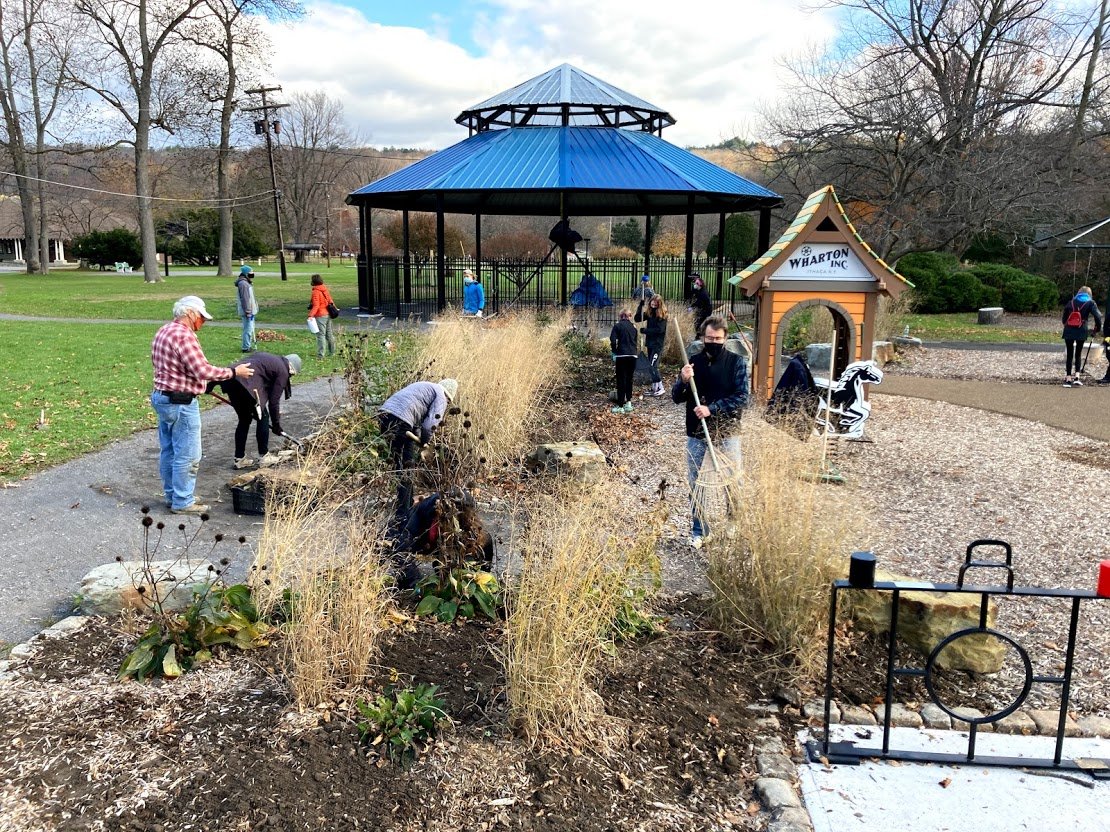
993, 365
941, 476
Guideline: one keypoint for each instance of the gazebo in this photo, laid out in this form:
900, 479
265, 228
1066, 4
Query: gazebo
564, 144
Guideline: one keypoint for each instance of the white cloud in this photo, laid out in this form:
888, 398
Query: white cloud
708, 62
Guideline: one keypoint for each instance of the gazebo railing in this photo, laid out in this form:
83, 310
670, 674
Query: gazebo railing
530, 283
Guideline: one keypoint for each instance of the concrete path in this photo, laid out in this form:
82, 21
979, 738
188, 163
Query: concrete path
1081, 410
912, 797
59, 524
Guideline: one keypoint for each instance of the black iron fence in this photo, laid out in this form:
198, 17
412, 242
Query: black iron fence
414, 289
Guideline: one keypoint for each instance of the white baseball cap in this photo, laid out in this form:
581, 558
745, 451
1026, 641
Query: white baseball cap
191, 303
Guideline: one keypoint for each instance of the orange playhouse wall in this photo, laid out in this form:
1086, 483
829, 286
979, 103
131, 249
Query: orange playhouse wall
853, 303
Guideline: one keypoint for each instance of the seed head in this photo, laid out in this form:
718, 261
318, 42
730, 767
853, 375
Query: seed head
159, 525
467, 424
242, 539
224, 561
148, 521
266, 581
119, 558
141, 589
181, 527
145, 509
219, 537
204, 518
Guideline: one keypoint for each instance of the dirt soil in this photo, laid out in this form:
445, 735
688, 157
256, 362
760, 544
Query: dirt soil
222, 748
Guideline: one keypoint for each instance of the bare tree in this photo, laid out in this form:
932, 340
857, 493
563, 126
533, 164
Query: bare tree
231, 31
36, 53
942, 118
134, 75
312, 156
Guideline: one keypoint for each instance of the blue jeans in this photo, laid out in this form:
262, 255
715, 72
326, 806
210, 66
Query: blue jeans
728, 450
179, 438
248, 331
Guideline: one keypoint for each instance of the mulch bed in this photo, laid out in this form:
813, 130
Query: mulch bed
223, 748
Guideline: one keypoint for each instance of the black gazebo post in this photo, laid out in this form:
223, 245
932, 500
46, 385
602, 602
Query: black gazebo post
688, 265
365, 260
406, 256
647, 244
562, 266
441, 264
721, 258
764, 231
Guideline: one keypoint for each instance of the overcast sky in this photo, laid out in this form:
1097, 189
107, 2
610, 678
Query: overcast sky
404, 69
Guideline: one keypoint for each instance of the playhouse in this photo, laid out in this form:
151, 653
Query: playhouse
820, 260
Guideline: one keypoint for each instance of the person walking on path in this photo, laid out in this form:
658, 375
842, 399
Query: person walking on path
318, 309
1074, 319
246, 307
624, 341
258, 399
655, 336
722, 381
474, 296
407, 418
700, 303
181, 373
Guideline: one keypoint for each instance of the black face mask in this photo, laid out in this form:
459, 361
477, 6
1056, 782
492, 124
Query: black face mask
714, 350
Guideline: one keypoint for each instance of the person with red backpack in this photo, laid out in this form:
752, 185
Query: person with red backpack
1074, 319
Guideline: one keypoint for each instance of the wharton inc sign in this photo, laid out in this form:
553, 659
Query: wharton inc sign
822, 260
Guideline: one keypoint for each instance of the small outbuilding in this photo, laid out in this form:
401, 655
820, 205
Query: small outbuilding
820, 260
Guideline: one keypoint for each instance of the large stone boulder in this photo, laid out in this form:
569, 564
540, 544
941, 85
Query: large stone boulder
925, 618
583, 461
113, 587
882, 352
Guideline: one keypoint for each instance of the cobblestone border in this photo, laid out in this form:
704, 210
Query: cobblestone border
777, 784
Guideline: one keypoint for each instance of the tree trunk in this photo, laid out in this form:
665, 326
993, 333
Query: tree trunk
223, 162
142, 191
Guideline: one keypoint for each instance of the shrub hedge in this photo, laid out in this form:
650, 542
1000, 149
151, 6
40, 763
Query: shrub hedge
942, 285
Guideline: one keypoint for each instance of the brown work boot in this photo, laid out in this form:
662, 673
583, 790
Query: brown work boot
195, 508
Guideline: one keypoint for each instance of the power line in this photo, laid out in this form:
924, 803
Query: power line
234, 200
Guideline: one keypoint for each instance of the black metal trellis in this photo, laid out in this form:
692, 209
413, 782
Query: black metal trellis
846, 752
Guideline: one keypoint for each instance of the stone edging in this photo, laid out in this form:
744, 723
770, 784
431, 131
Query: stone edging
9, 667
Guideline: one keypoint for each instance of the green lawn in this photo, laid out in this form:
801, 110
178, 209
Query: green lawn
963, 327
106, 295
91, 384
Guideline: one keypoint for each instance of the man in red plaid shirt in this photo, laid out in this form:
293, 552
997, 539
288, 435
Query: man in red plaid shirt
181, 373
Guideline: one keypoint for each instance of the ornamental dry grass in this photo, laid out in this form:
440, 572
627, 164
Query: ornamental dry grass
320, 568
505, 367
788, 536
581, 564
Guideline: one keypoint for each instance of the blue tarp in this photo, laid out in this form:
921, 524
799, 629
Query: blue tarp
590, 293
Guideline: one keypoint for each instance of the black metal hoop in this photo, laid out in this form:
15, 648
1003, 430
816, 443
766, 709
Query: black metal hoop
991, 717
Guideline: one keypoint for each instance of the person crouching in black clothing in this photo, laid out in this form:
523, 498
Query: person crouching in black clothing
258, 399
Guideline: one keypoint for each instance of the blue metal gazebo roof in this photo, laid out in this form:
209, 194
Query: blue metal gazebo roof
576, 171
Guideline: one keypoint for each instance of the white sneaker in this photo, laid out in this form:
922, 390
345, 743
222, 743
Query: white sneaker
697, 541
243, 462
1076, 382
268, 460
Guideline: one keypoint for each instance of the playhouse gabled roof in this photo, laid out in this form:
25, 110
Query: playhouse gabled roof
821, 219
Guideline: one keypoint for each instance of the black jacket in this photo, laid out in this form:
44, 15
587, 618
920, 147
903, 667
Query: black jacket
702, 304
722, 387
1086, 309
654, 329
265, 388
623, 339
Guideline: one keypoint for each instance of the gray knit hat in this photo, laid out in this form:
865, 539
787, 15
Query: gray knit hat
294, 363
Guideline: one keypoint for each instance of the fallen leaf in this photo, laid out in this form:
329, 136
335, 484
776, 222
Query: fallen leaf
946, 782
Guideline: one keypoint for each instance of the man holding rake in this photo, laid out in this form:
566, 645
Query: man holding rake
714, 388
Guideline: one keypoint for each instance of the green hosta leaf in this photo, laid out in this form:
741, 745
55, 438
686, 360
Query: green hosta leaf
486, 605
137, 662
447, 611
466, 610
170, 668
202, 656
428, 604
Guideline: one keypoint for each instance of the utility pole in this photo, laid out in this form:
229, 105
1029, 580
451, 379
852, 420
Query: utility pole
265, 126
327, 219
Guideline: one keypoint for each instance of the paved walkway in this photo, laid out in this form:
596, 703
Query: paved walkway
59, 524
1081, 410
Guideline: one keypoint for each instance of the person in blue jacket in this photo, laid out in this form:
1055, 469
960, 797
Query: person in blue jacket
1074, 319
474, 296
